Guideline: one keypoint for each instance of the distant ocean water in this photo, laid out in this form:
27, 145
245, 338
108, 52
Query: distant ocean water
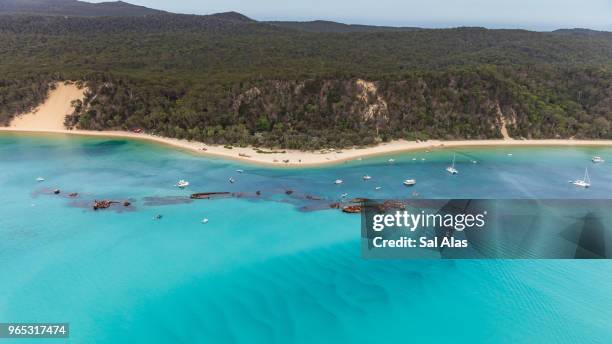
276, 268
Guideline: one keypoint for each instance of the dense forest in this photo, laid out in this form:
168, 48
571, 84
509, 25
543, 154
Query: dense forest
74, 8
230, 80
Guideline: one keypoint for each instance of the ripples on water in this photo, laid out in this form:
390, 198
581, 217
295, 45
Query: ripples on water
265, 270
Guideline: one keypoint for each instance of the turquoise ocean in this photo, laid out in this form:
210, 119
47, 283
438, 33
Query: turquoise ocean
276, 267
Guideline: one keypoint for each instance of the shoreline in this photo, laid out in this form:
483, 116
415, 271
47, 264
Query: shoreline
48, 119
294, 158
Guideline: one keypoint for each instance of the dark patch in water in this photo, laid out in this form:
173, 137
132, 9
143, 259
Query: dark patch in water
78, 200
107, 144
165, 200
302, 201
53, 192
117, 207
104, 147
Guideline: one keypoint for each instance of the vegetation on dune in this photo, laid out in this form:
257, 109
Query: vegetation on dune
228, 80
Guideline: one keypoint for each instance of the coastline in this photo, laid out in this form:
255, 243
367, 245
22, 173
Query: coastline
294, 158
48, 118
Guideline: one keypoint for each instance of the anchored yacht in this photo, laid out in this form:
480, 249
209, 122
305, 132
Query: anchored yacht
584, 182
451, 169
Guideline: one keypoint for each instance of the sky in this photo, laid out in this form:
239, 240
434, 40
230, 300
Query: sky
542, 15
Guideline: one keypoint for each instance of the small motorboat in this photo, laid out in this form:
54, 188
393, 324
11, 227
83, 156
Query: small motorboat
182, 184
40, 179
585, 182
204, 221
378, 188
597, 160
344, 195
231, 180
414, 159
367, 177
509, 154
410, 182
391, 161
240, 171
338, 181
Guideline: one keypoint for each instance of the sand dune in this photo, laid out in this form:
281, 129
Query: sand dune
51, 114
49, 118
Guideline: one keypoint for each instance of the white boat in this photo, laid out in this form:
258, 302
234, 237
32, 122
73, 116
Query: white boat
584, 182
344, 195
204, 221
414, 159
410, 182
391, 160
338, 181
40, 179
182, 184
451, 169
240, 171
597, 159
378, 188
367, 177
509, 154
231, 180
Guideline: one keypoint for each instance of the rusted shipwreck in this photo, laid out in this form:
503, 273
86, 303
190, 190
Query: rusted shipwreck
209, 195
105, 204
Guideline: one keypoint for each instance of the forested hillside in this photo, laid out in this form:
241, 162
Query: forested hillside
227, 79
73, 8
334, 27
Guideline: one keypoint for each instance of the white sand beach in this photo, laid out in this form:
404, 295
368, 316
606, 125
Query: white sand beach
49, 118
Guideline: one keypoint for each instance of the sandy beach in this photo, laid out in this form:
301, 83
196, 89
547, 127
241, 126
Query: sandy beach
49, 118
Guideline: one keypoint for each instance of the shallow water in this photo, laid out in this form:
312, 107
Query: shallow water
276, 268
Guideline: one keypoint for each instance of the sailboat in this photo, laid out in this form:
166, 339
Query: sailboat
451, 169
585, 182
